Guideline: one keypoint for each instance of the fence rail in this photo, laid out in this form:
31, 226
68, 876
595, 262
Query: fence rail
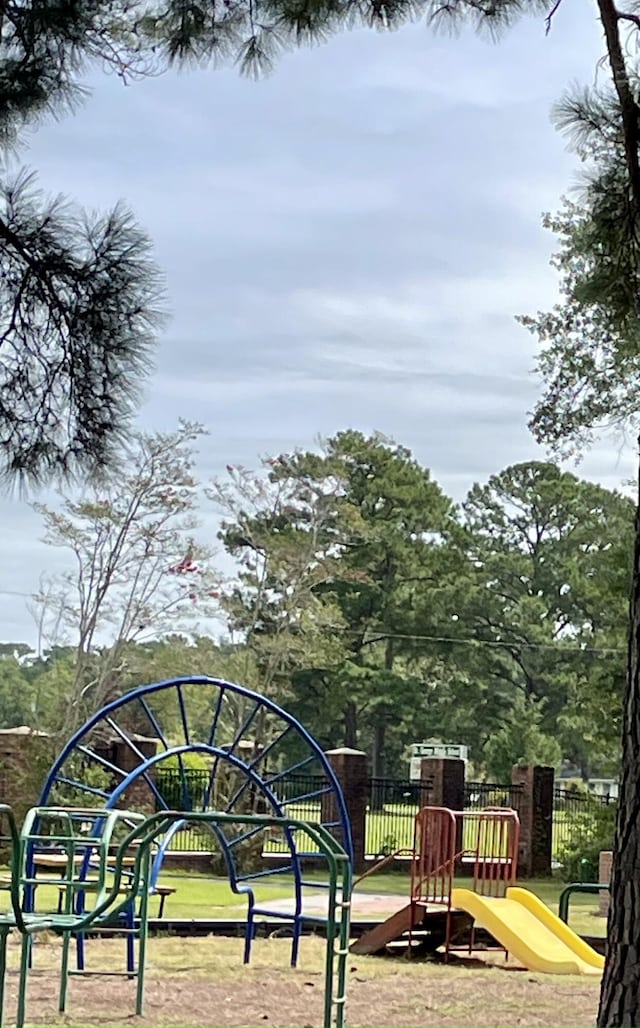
297, 795
391, 809
478, 795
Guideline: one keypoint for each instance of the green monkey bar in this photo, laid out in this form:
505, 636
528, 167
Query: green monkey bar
105, 856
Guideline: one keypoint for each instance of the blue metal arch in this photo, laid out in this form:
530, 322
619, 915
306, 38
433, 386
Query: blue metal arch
250, 768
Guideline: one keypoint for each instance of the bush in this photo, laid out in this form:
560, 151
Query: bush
589, 832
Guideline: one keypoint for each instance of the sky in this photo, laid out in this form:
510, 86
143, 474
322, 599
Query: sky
345, 244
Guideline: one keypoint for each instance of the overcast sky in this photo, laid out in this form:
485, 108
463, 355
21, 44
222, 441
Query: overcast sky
345, 243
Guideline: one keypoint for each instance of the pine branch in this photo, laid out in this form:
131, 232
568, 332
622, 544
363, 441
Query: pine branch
79, 304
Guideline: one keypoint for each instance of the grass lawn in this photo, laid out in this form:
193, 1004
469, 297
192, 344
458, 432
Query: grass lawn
199, 896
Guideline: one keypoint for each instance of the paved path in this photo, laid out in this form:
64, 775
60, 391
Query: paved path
363, 904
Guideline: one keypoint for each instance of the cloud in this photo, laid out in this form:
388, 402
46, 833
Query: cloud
345, 244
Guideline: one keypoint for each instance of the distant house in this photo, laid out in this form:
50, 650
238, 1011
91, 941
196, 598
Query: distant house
604, 787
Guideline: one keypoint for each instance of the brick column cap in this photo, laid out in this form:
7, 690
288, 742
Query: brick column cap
23, 730
344, 751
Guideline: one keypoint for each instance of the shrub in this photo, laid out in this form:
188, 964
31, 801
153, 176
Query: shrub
589, 832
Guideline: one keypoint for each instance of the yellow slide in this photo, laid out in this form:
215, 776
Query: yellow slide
528, 930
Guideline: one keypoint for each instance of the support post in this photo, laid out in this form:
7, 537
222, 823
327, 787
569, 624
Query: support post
352, 771
536, 819
442, 781
25, 756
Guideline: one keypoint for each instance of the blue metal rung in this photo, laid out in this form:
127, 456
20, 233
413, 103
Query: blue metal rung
289, 770
243, 728
102, 761
282, 915
82, 786
245, 835
183, 714
266, 874
306, 796
263, 754
216, 715
153, 721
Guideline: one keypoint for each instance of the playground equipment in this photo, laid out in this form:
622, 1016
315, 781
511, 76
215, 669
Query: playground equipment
117, 875
591, 888
483, 845
94, 847
257, 754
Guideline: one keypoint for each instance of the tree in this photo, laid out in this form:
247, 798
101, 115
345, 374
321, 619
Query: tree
137, 570
276, 526
17, 698
79, 305
590, 362
369, 524
521, 740
544, 596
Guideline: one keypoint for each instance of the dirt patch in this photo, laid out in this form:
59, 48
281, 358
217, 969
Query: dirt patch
202, 983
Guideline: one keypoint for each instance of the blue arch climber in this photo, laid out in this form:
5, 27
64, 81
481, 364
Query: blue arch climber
257, 757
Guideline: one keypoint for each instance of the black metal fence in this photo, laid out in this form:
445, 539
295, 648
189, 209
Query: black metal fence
582, 821
188, 790
479, 795
191, 790
392, 804
391, 809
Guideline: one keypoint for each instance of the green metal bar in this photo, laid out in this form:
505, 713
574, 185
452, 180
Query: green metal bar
4, 935
143, 931
592, 888
343, 952
111, 899
333, 853
25, 950
64, 972
331, 940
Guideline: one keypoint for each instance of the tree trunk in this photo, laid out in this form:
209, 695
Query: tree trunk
377, 757
620, 995
351, 726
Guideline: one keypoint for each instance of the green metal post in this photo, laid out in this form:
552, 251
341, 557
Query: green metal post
591, 888
64, 971
25, 951
4, 935
144, 924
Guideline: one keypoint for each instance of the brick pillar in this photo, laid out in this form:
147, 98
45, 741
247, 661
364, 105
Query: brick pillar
536, 819
447, 777
352, 771
604, 876
138, 796
442, 779
25, 759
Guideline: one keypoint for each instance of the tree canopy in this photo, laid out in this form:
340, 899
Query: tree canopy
356, 593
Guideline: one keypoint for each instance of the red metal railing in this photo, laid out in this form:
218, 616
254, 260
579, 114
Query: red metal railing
496, 850
445, 840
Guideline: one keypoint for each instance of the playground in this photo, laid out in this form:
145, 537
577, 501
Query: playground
297, 941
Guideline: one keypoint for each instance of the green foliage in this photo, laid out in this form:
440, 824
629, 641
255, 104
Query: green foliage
545, 595
590, 832
189, 761
521, 741
363, 602
356, 534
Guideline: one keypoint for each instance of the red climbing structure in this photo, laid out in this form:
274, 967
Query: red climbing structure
480, 847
